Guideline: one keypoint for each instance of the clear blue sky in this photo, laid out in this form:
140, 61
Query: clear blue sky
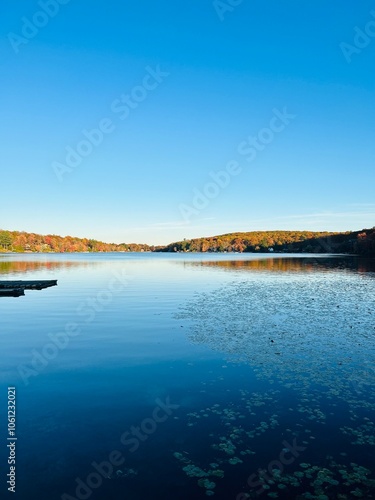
225, 78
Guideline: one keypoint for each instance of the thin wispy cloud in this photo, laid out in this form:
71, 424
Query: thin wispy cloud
326, 215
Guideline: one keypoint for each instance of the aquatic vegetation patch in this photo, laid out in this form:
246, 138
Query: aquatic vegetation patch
319, 328
243, 439
311, 340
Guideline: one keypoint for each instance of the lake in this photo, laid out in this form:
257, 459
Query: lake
186, 376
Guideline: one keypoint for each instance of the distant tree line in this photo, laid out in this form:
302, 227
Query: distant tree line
14, 241
358, 242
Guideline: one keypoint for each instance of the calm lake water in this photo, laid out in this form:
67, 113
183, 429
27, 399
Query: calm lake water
184, 376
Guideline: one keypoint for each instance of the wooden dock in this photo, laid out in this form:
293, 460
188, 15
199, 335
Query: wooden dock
17, 288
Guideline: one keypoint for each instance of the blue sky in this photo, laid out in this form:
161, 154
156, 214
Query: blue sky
225, 70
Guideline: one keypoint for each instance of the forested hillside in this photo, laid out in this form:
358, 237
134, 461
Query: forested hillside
359, 242
15, 241
256, 241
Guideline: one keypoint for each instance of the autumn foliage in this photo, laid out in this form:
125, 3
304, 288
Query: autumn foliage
29, 242
359, 242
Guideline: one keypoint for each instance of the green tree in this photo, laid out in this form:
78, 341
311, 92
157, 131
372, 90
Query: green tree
6, 239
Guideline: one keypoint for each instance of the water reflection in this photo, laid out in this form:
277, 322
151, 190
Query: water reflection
301, 264
22, 266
